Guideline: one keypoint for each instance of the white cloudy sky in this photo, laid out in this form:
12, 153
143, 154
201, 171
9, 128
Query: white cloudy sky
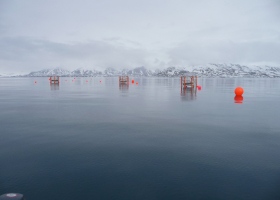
41, 34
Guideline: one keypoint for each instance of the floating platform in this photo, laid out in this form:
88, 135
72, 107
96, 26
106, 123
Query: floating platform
54, 79
123, 80
188, 81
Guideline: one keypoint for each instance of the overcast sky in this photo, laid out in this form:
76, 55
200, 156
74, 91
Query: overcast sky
93, 34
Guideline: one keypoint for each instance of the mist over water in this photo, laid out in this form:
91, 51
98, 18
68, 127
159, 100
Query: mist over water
100, 140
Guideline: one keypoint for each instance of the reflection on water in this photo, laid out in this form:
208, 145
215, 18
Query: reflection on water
139, 141
124, 87
238, 99
188, 93
54, 86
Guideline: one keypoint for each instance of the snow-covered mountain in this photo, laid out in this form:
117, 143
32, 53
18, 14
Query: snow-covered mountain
171, 72
140, 71
236, 70
84, 73
209, 70
10, 74
109, 72
50, 72
223, 71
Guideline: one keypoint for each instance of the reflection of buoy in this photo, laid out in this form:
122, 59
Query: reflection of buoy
132, 81
136, 83
238, 99
239, 91
35, 81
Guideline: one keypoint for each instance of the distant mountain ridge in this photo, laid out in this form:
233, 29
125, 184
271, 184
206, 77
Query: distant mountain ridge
210, 70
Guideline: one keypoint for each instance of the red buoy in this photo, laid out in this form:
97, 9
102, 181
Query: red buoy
132, 81
100, 81
86, 80
74, 78
65, 80
136, 83
239, 91
35, 81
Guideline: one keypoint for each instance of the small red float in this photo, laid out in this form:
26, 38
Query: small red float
239, 91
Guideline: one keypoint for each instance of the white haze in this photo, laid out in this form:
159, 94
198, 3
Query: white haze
93, 34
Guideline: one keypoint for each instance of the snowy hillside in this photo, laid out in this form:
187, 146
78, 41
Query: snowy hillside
209, 70
50, 72
236, 70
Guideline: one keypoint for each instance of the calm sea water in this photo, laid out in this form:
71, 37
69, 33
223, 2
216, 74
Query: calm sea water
92, 140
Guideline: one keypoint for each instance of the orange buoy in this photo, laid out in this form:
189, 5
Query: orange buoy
239, 91
136, 83
132, 81
35, 81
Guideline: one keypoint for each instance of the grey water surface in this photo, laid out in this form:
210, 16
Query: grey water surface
98, 140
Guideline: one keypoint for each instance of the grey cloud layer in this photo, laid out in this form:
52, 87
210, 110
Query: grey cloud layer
32, 53
131, 33
246, 52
